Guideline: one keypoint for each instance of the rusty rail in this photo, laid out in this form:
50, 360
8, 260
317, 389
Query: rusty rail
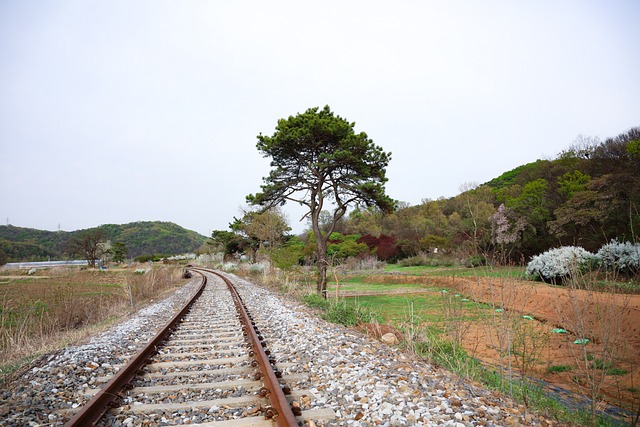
93, 410
281, 411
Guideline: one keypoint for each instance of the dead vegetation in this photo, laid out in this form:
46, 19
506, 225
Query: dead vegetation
56, 306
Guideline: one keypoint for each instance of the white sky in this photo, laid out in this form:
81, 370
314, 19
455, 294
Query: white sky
120, 111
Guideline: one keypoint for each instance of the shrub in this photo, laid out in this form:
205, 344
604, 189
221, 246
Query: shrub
341, 312
620, 257
616, 371
385, 247
348, 313
553, 369
315, 301
475, 261
424, 260
150, 257
557, 264
414, 261
229, 267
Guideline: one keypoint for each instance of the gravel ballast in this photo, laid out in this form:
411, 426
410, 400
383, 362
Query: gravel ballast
364, 381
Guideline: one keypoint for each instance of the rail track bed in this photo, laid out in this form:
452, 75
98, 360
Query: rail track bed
203, 373
208, 372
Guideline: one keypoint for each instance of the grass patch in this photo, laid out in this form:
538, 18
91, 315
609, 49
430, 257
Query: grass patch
105, 285
343, 312
315, 301
349, 313
440, 271
616, 371
427, 308
396, 308
455, 358
601, 364
95, 294
556, 369
10, 368
446, 354
358, 286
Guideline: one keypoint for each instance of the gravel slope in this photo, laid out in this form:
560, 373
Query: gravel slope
364, 381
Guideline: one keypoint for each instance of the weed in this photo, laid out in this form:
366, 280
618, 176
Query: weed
315, 301
555, 369
602, 364
348, 314
616, 371
36, 313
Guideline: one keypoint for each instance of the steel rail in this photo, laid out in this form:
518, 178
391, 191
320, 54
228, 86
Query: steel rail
93, 410
283, 416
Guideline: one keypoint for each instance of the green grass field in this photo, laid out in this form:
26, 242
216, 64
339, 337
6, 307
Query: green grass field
513, 272
417, 303
420, 309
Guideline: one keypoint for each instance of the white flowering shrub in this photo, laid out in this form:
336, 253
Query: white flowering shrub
210, 260
182, 257
620, 257
230, 266
259, 267
556, 264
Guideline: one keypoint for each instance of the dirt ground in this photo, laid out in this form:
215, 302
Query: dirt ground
610, 322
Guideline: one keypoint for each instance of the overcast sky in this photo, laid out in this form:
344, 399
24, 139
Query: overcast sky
120, 111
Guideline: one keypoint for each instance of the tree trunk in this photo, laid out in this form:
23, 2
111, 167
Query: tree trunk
322, 266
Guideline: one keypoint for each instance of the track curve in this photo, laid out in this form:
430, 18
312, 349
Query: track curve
209, 361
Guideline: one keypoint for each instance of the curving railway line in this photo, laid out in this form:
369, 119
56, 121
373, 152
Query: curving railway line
209, 361
203, 370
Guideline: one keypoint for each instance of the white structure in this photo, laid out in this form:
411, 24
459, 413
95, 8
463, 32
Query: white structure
45, 264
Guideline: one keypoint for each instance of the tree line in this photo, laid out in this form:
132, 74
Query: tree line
139, 238
587, 196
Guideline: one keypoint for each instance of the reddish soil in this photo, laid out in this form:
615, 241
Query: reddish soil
610, 322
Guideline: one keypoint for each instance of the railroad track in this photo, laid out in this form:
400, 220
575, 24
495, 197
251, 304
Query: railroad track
209, 366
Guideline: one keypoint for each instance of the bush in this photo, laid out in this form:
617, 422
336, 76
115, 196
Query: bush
557, 264
348, 313
341, 312
315, 301
229, 267
620, 257
414, 261
554, 369
423, 260
475, 261
150, 257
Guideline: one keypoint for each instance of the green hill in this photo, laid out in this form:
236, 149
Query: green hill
144, 237
587, 196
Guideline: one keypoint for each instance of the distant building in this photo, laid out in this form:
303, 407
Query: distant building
45, 264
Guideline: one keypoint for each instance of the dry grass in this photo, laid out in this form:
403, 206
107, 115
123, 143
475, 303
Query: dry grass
44, 312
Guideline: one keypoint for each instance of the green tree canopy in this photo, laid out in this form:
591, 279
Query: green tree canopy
119, 251
319, 161
89, 245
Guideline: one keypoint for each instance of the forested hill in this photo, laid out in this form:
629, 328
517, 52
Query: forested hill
587, 196
145, 237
